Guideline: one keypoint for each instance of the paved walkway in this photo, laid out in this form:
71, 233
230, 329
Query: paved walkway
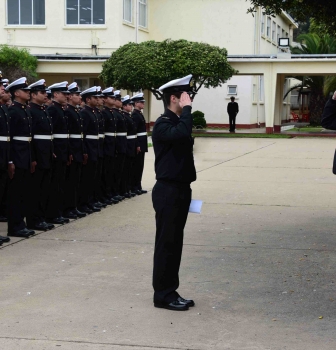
259, 262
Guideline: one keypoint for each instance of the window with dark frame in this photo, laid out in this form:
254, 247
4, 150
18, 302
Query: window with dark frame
85, 12
26, 12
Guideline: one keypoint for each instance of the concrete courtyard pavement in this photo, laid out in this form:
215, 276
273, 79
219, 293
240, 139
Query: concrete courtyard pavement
259, 262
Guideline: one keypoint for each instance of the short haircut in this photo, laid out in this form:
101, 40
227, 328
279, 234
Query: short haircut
167, 95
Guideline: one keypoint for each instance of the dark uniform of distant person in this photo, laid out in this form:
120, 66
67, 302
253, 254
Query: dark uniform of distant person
175, 170
56, 111
42, 144
328, 119
4, 147
91, 139
142, 142
110, 123
232, 109
127, 176
4, 154
78, 152
20, 164
100, 201
48, 100
121, 146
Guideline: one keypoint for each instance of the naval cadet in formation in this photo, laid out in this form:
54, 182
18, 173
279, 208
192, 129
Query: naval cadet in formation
175, 171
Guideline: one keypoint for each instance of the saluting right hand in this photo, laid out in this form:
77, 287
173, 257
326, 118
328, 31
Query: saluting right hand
11, 170
185, 100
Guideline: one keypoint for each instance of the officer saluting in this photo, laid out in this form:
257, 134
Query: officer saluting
78, 152
42, 144
142, 141
175, 170
20, 163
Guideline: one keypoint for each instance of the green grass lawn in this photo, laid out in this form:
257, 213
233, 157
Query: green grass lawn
306, 129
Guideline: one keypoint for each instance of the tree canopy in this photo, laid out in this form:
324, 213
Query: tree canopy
323, 11
150, 64
16, 63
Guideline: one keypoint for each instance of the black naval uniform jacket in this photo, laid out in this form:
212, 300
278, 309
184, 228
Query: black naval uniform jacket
101, 129
4, 132
328, 119
173, 147
75, 125
110, 127
131, 131
232, 108
121, 146
60, 126
41, 125
90, 127
140, 122
21, 153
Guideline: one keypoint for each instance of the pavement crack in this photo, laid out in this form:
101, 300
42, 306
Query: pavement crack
101, 343
242, 155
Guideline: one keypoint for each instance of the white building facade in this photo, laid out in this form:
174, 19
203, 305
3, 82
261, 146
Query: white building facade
79, 28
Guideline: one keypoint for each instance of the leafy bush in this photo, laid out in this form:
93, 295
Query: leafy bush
199, 121
16, 63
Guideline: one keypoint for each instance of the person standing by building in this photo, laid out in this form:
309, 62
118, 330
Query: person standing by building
78, 152
142, 142
59, 92
42, 144
232, 110
175, 170
21, 160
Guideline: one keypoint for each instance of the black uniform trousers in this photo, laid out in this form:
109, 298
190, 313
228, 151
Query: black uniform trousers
39, 187
72, 182
126, 176
171, 204
56, 192
18, 199
232, 119
118, 171
87, 185
138, 170
109, 186
3, 191
98, 194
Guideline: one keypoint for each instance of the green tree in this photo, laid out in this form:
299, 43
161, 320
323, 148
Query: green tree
323, 11
150, 64
16, 63
320, 86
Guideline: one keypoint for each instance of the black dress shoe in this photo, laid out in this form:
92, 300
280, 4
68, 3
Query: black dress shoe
57, 221
117, 198
85, 209
108, 202
24, 233
39, 226
188, 302
66, 221
132, 194
174, 306
143, 191
138, 192
3, 218
79, 213
4, 239
94, 209
127, 195
50, 226
99, 205
114, 201
70, 215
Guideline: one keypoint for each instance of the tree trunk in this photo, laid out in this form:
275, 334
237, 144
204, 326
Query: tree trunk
316, 106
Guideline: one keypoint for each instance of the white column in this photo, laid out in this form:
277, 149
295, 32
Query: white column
270, 83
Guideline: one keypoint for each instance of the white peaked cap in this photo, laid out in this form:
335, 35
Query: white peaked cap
138, 97
117, 92
39, 85
74, 88
62, 87
20, 83
108, 91
90, 91
177, 84
125, 98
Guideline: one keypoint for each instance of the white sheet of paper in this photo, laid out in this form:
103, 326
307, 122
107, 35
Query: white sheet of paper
195, 206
